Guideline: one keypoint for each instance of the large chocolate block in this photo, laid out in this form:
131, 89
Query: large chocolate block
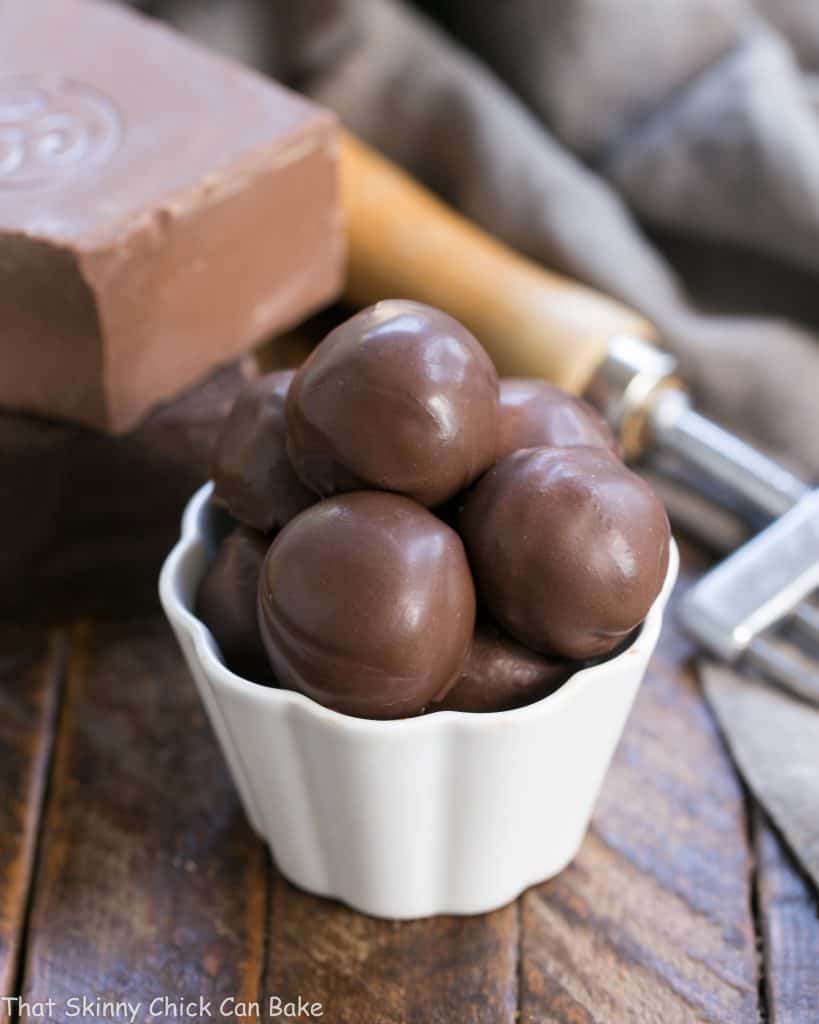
161, 211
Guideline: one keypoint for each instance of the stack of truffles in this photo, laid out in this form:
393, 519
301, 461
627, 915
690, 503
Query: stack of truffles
414, 535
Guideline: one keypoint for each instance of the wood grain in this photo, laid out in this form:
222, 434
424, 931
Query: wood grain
150, 882
31, 667
653, 922
789, 911
364, 971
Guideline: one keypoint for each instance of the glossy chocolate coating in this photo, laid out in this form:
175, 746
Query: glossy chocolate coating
251, 470
568, 546
501, 674
535, 414
366, 604
399, 398
226, 603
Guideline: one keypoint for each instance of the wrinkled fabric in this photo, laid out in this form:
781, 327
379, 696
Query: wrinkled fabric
598, 138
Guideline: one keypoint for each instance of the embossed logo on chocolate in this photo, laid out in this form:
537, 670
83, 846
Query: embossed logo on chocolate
52, 127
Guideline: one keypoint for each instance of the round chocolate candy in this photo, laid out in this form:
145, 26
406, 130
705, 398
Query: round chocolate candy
251, 471
568, 546
226, 603
366, 604
399, 398
501, 674
534, 414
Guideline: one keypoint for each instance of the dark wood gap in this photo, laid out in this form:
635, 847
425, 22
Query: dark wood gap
751, 810
788, 907
519, 961
60, 640
267, 928
33, 663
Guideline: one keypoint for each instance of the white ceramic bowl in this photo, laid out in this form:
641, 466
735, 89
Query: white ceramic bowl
447, 813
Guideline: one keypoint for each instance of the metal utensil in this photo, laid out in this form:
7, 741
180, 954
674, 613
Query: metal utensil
737, 610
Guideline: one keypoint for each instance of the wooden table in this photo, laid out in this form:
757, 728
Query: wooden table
129, 873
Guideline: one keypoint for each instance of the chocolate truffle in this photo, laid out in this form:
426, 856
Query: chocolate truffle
568, 546
534, 414
226, 603
251, 470
366, 604
399, 398
501, 674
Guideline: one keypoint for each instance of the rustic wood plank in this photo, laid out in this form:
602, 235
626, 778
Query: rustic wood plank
366, 971
150, 882
31, 669
789, 912
653, 921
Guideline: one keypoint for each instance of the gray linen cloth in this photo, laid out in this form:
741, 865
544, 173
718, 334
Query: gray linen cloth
651, 150
666, 153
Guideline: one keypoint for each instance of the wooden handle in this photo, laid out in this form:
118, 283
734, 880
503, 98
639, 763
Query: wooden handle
405, 243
